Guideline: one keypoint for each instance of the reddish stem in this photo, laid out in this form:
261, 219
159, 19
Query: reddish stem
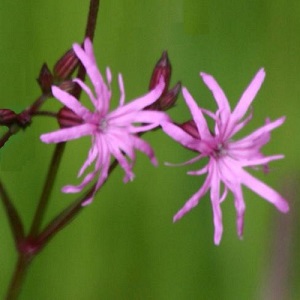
25, 257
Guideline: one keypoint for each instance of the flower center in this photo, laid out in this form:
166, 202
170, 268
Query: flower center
220, 150
103, 125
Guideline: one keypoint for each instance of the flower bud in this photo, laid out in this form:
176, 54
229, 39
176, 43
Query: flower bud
67, 86
190, 127
162, 69
67, 118
66, 65
168, 100
24, 118
168, 97
45, 79
7, 117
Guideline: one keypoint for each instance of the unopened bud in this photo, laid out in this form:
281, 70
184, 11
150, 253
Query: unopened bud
7, 117
190, 127
67, 118
66, 65
24, 118
162, 69
169, 98
67, 86
45, 79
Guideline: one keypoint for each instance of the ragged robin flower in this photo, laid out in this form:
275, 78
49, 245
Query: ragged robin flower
114, 133
227, 157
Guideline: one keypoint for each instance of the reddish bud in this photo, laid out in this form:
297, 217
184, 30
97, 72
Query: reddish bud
169, 98
7, 117
190, 127
45, 79
67, 86
67, 118
162, 69
24, 118
66, 65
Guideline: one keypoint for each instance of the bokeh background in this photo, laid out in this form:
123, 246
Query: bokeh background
124, 245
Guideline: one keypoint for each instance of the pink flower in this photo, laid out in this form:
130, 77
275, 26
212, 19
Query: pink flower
226, 157
114, 133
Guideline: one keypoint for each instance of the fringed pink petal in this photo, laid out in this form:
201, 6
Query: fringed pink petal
194, 200
103, 164
264, 191
260, 161
123, 141
223, 104
197, 115
91, 158
67, 134
72, 103
199, 172
235, 128
260, 136
230, 174
87, 58
87, 90
89, 50
215, 202
248, 95
224, 195
127, 167
208, 113
78, 188
103, 175
141, 102
143, 128
108, 76
144, 147
180, 136
190, 161
150, 116
122, 90
87, 201
240, 209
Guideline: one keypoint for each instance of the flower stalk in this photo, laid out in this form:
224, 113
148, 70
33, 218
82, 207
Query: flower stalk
25, 252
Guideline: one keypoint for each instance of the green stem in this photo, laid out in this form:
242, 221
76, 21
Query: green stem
92, 19
13, 129
59, 149
46, 193
13, 216
67, 215
25, 256
18, 277
44, 113
37, 103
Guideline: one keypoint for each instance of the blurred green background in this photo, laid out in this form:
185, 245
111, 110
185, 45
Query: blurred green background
124, 245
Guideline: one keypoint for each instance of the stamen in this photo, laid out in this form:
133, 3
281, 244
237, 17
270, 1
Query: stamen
103, 125
220, 151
